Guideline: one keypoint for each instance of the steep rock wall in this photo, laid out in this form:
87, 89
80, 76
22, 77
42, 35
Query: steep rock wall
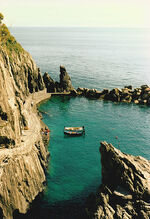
125, 189
23, 155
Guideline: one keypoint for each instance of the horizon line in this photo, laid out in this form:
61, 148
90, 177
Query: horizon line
80, 26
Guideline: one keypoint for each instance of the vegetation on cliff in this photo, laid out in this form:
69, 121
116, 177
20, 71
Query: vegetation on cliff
7, 41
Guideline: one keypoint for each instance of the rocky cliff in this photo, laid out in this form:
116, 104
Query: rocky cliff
23, 155
125, 189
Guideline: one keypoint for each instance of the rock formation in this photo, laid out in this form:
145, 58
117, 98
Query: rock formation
49, 83
64, 85
127, 94
125, 189
65, 80
23, 155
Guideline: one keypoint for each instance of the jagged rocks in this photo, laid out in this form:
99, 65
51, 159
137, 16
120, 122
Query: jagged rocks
35, 81
125, 189
127, 94
64, 85
49, 83
65, 80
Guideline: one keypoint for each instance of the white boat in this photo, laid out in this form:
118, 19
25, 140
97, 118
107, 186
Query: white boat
74, 131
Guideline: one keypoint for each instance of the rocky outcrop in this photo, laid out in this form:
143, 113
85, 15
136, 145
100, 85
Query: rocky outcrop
64, 85
23, 155
49, 83
127, 94
65, 80
125, 189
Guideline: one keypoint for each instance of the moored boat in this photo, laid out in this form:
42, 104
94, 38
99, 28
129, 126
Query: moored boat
74, 131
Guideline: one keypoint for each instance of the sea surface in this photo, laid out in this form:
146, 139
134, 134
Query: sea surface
94, 58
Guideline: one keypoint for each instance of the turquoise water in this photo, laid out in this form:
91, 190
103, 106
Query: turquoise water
75, 169
95, 58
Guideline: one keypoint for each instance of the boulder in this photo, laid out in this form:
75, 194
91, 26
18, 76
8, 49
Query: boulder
73, 93
136, 94
92, 93
136, 101
129, 87
143, 87
105, 91
80, 89
114, 95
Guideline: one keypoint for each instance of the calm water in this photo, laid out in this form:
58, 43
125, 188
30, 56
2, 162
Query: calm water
95, 58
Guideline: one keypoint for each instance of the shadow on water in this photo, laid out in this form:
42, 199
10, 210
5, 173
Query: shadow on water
69, 209
40, 209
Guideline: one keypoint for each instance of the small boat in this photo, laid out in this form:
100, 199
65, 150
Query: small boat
74, 131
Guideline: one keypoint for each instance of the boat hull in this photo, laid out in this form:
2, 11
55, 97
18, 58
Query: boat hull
74, 131
73, 134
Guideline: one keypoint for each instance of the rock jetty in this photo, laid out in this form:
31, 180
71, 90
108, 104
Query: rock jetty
125, 189
127, 94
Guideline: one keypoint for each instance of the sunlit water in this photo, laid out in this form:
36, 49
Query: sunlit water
95, 58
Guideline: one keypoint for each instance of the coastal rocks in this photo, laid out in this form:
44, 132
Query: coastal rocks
125, 189
127, 94
89, 93
65, 80
64, 85
49, 83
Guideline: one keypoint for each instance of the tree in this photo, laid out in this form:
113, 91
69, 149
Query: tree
1, 17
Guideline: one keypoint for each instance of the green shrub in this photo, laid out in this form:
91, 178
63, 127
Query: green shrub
8, 42
1, 17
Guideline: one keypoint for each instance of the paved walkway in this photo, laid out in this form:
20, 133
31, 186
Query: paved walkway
30, 136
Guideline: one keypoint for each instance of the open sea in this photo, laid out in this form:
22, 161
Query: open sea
95, 58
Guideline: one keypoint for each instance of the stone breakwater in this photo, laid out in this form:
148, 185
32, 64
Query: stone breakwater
127, 94
125, 189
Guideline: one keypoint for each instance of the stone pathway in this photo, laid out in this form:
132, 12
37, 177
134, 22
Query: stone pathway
29, 136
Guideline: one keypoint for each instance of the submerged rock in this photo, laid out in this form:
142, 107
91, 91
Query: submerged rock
125, 189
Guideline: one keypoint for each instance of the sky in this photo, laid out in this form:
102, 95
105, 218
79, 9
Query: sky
104, 13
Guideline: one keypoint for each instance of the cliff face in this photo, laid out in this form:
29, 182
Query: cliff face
125, 189
19, 77
23, 156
